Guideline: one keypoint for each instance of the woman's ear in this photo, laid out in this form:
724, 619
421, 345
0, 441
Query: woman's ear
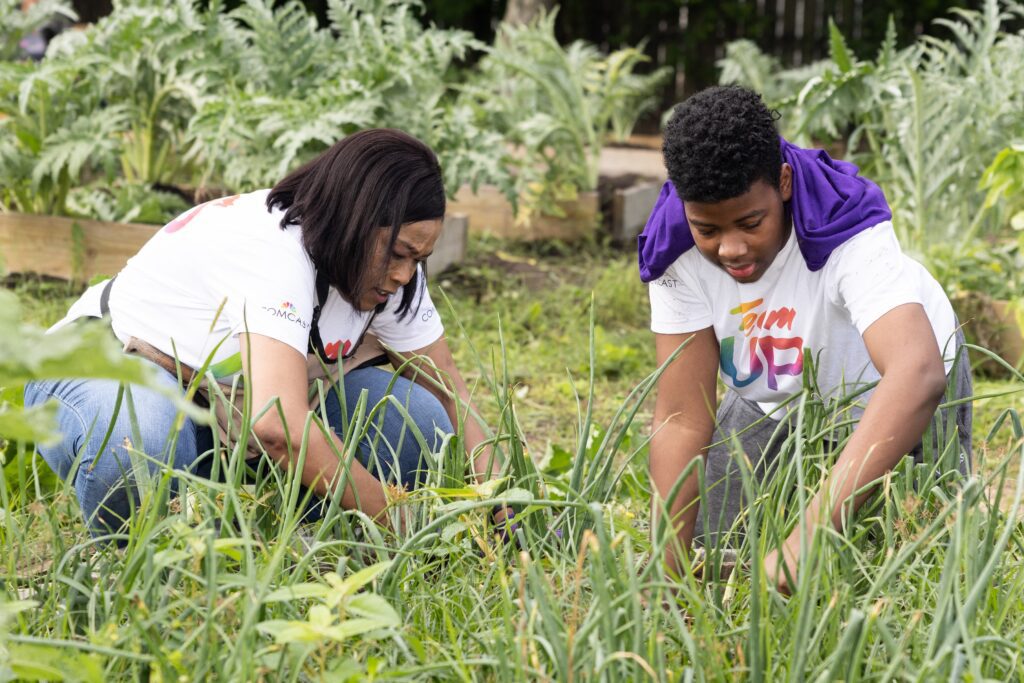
786, 182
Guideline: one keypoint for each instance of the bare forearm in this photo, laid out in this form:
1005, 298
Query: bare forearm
442, 378
891, 426
322, 470
673, 449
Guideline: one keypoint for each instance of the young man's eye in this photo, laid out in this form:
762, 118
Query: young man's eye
751, 226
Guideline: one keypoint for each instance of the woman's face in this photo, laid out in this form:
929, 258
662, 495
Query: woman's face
394, 269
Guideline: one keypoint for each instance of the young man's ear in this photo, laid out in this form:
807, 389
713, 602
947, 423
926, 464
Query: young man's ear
786, 182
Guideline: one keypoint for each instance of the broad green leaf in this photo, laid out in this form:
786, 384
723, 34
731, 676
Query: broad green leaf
84, 349
557, 460
354, 582
344, 671
79, 350
457, 505
9, 609
487, 488
33, 662
298, 592
373, 606
452, 530
838, 50
355, 627
230, 546
306, 632
290, 631
1017, 222
166, 558
35, 424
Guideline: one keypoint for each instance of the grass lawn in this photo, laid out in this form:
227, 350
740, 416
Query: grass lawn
225, 583
530, 305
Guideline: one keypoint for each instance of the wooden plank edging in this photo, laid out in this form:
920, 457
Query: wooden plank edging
69, 248
490, 213
55, 247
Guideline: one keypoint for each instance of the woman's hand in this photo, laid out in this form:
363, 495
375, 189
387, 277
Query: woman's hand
442, 378
277, 372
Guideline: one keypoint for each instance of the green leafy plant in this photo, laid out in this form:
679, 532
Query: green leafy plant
55, 136
109, 102
29, 354
125, 203
16, 23
374, 65
1004, 179
154, 95
924, 121
557, 107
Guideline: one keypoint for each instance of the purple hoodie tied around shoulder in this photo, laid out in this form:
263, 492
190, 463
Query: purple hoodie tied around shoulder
830, 204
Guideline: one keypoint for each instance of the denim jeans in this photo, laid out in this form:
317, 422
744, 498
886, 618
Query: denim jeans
106, 484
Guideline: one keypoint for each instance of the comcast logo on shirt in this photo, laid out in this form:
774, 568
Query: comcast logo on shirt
287, 311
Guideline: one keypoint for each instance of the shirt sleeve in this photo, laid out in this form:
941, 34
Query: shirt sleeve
868, 276
678, 303
267, 288
419, 327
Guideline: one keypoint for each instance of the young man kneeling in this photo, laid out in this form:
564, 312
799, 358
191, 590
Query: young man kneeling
795, 254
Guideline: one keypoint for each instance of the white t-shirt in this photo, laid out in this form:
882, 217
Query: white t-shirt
763, 327
227, 267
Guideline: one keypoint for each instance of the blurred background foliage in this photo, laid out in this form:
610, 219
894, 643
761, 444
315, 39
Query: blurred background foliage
687, 36
159, 105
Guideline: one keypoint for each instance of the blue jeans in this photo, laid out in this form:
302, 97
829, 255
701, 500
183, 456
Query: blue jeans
107, 483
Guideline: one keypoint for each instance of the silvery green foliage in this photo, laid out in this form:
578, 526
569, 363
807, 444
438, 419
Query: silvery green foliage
52, 133
15, 23
173, 93
124, 203
924, 121
110, 102
414, 71
375, 65
557, 106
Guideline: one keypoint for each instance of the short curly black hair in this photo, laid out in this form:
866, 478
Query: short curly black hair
719, 142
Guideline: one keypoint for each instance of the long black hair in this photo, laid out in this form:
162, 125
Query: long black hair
373, 179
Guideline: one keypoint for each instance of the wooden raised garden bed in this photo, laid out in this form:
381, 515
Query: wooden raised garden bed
490, 213
68, 248
80, 249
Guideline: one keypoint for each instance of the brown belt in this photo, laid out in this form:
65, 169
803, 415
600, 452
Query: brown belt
143, 349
